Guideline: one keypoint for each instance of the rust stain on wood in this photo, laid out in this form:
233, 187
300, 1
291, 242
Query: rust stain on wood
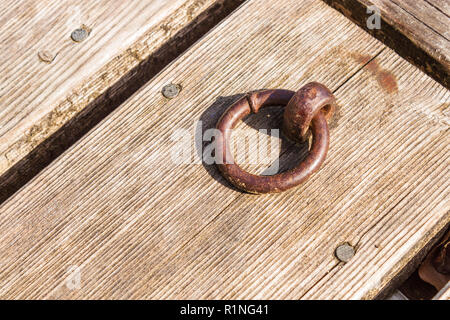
417, 30
362, 58
385, 78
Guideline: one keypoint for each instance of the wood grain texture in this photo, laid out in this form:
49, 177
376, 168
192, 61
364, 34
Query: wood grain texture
416, 29
47, 106
443, 6
444, 294
136, 225
440, 5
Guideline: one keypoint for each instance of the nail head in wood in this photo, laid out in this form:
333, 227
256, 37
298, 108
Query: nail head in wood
79, 34
171, 90
345, 252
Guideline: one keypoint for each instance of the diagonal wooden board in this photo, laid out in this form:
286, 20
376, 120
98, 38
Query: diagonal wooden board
132, 224
44, 104
444, 294
417, 29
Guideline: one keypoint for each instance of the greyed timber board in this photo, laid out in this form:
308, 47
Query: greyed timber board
444, 294
417, 29
135, 225
128, 40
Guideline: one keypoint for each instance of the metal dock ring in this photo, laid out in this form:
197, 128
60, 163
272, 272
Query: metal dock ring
310, 107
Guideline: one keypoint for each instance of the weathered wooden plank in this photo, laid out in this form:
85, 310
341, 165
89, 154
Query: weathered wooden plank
444, 294
46, 106
282, 246
429, 16
136, 225
440, 5
416, 29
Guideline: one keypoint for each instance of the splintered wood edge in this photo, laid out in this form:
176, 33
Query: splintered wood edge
101, 93
428, 59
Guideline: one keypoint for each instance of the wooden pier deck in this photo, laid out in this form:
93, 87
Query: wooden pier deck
88, 185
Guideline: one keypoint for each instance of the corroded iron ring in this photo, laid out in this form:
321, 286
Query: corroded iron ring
308, 108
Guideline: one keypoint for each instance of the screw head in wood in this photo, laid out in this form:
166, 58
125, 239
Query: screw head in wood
345, 252
79, 34
171, 90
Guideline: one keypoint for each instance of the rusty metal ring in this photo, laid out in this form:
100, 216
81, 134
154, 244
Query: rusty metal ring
310, 107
